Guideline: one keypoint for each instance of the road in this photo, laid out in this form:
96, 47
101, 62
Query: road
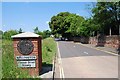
78, 61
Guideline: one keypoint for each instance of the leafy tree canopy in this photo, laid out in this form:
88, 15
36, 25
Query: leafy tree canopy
106, 14
66, 24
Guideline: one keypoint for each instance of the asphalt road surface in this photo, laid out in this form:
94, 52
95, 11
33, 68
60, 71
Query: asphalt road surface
78, 61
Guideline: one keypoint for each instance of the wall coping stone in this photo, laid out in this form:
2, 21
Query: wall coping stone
25, 35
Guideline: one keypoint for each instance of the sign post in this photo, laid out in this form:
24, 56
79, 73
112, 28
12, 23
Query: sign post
28, 52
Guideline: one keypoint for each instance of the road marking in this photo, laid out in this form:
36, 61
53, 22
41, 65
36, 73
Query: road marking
85, 52
60, 62
73, 46
100, 50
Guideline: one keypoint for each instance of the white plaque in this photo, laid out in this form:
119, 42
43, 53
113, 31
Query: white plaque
26, 64
25, 57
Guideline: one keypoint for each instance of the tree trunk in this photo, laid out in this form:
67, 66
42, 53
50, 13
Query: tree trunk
119, 30
110, 31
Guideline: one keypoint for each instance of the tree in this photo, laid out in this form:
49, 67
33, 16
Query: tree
74, 23
87, 28
46, 34
43, 34
106, 14
36, 30
1, 33
40, 33
66, 24
57, 24
20, 30
8, 34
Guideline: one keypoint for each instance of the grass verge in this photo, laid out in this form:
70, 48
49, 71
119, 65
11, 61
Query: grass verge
48, 51
0, 59
9, 69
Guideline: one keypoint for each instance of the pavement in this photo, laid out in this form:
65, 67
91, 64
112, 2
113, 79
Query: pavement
86, 61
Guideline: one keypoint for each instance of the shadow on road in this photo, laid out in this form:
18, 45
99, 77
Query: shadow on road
46, 68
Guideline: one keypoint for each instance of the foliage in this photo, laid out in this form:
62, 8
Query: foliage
1, 33
106, 14
40, 33
7, 34
20, 31
74, 21
44, 34
9, 69
87, 28
58, 25
36, 30
65, 24
48, 50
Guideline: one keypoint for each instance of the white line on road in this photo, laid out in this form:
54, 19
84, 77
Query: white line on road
60, 61
100, 50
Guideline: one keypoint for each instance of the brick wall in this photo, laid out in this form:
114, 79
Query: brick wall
109, 41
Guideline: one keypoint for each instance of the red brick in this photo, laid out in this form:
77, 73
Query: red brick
38, 54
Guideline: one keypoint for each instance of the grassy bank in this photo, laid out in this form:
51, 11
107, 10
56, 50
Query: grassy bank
0, 59
48, 50
10, 70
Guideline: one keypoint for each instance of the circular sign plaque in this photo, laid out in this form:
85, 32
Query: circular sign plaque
25, 47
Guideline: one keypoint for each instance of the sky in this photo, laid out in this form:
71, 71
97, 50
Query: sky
28, 15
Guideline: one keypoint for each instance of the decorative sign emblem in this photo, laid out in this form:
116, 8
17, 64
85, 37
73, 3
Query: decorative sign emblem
25, 47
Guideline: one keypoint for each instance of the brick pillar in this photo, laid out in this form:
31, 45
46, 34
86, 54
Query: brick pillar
27, 62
